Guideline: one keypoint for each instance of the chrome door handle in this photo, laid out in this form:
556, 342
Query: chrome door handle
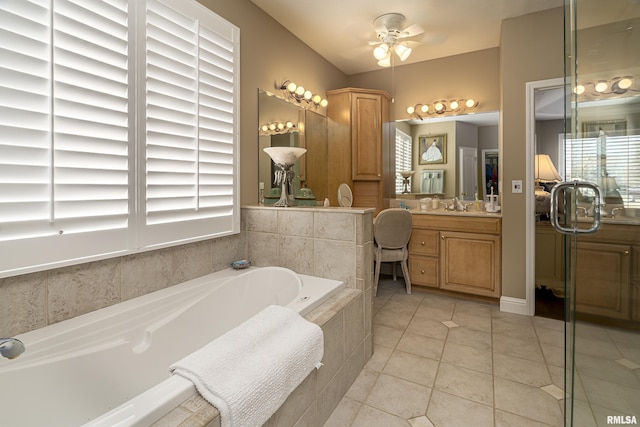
597, 205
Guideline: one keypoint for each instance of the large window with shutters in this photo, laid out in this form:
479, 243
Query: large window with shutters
118, 129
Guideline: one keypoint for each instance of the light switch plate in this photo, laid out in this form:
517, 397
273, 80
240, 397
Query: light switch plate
516, 186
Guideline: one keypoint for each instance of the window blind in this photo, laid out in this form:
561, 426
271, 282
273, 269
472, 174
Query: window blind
403, 156
99, 146
622, 163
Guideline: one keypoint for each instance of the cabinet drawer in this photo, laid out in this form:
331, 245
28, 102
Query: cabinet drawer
424, 271
424, 242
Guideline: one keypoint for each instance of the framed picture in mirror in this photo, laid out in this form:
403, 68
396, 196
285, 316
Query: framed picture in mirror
432, 149
610, 128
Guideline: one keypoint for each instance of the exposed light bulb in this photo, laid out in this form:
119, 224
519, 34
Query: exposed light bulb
439, 107
410, 110
264, 128
454, 105
324, 103
424, 108
280, 126
272, 126
300, 91
291, 87
308, 95
381, 51
624, 83
470, 103
289, 125
386, 62
317, 99
578, 90
601, 86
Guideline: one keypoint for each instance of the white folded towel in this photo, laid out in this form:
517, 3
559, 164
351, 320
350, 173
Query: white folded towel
248, 372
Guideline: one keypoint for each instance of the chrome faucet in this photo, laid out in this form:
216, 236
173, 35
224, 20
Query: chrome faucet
11, 347
458, 205
615, 210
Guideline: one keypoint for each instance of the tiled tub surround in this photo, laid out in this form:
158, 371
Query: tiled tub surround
333, 243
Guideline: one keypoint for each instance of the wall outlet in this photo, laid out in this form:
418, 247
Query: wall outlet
516, 186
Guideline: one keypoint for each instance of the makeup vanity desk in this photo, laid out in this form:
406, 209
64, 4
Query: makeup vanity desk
457, 251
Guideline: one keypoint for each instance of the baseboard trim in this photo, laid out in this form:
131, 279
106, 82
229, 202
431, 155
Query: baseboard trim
514, 305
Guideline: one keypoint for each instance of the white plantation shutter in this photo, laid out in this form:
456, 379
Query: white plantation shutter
403, 157
191, 124
73, 185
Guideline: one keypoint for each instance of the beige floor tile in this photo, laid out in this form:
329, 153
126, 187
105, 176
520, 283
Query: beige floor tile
473, 308
546, 323
515, 325
522, 348
344, 414
506, 419
362, 386
372, 417
465, 383
520, 370
612, 395
392, 318
473, 321
428, 328
398, 397
597, 347
470, 337
468, 357
527, 401
386, 336
411, 367
421, 345
553, 355
550, 336
378, 358
605, 369
446, 410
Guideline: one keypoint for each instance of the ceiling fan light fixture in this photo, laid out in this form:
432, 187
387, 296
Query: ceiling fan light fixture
403, 51
385, 62
381, 51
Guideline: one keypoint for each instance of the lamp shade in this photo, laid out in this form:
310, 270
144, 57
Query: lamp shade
545, 170
402, 51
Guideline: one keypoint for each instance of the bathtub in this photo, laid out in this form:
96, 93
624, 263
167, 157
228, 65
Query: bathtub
111, 367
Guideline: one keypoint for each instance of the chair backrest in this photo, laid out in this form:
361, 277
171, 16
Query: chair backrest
392, 228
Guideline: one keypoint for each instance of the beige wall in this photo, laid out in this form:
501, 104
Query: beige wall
532, 49
269, 55
471, 75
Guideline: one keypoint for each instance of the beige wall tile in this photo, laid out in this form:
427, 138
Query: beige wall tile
264, 220
295, 223
333, 350
83, 288
296, 253
23, 303
354, 324
335, 226
262, 249
190, 261
335, 260
146, 272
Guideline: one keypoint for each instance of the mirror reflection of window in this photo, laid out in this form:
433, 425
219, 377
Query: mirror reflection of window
403, 157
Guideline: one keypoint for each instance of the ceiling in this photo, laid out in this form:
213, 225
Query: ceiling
340, 30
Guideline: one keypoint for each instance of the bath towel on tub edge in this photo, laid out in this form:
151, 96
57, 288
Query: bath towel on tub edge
248, 372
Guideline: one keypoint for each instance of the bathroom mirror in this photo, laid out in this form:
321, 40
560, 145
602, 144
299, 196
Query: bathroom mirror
468, 136
283, 123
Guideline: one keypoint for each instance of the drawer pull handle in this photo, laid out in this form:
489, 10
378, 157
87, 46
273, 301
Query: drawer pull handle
422, 271
422, 243
626, 252
442, 237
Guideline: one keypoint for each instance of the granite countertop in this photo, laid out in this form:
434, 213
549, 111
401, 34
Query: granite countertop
472, 213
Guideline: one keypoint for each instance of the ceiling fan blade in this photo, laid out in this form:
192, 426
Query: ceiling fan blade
374, 42
411, 31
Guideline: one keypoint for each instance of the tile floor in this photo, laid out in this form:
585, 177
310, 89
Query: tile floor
445, 362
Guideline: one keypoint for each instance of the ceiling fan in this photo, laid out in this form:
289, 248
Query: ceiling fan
391, 34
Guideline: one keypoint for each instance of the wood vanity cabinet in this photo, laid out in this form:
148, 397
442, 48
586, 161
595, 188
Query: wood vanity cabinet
457, 253
607, 273
360, 149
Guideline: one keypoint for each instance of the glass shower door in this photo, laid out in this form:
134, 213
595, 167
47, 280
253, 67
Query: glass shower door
602, 146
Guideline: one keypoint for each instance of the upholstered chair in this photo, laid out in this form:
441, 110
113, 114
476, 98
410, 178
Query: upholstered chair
391, 232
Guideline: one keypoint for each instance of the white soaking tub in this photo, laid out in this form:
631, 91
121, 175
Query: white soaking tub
111, 367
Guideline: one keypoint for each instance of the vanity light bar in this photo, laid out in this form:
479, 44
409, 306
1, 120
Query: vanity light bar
276, 127
442, 107
613, 86
299, 94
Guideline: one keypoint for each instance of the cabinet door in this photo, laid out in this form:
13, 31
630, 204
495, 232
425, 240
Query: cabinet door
470, 262
549, 257
603, 279
366, 154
